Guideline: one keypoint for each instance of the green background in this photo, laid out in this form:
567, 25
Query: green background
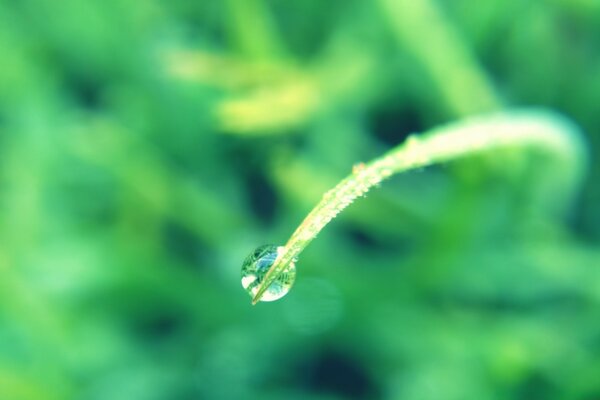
147, 147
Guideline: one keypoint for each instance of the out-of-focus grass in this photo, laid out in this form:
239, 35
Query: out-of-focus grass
147, 147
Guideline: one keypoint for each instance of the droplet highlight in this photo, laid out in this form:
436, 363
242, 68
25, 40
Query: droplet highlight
255, 268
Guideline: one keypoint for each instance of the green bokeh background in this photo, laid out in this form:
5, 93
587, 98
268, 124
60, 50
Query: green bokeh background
147, 147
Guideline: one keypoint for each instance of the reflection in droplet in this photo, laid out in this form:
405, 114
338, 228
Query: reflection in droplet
256, 266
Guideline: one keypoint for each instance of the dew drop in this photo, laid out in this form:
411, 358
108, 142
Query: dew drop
256, 266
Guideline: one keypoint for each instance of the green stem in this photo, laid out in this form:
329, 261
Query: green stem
556, 137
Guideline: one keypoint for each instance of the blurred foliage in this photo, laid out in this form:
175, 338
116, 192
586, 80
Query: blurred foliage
147, 147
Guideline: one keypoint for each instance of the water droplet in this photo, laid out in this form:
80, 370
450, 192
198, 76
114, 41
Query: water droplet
256, 266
